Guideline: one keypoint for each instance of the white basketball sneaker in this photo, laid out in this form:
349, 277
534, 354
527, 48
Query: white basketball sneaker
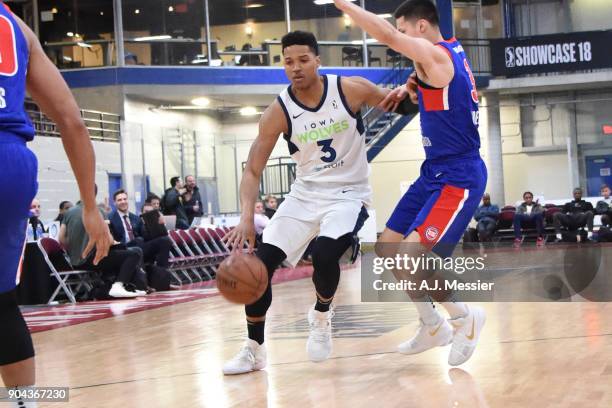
427, 337
319, 344
251, 357
119, 291
467, 331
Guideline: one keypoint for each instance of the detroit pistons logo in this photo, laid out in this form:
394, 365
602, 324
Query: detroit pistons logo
431, 233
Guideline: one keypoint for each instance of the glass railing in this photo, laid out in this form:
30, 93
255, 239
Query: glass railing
102, 126
193, 52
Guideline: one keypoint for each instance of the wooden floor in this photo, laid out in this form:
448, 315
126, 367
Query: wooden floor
530, 355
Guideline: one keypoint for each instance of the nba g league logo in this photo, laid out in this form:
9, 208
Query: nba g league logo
510, 57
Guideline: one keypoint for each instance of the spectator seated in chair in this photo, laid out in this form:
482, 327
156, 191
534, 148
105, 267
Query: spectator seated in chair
271, 204
486, 215
128, 229
154, 201
120, 265
528, 212
63, 207
261, 220
36, 228
604, 206
574, 215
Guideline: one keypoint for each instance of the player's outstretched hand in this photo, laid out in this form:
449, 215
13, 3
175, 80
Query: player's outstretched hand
100, 237
243, 232
393, 99
411, 85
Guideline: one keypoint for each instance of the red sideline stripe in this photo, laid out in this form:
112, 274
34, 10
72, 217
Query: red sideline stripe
440, 214
54, 317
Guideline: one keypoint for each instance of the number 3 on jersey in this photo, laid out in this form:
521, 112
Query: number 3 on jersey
327, 149
8, 48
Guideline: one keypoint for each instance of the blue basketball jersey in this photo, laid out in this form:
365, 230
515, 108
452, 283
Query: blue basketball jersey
14, 55
449, 115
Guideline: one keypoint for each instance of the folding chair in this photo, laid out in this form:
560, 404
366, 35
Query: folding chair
201, 260
178, 261
62, 270
193, 261
204, 248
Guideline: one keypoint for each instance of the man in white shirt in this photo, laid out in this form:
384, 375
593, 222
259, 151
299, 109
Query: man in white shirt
261, 220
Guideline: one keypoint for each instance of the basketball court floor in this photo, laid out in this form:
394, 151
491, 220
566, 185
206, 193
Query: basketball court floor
530, 355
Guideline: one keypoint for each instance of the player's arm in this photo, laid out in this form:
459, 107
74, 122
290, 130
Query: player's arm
434, 60
359, 92
47, 87
271, 125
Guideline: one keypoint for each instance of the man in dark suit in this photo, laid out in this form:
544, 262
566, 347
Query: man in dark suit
127, 228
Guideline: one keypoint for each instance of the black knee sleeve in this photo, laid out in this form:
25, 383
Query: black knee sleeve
326, 254
15, 342
272, 257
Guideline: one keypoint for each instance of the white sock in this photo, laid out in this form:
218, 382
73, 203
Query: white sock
455, 309
427, 312
590, 234
23, 404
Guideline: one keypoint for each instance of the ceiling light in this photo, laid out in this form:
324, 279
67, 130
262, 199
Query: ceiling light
54, 10
101, 13
385, 15
201, 101
248, 111
137, 11
180, 107
322, 2
347, 21
171, 9
70, 34
153, 38
254, 5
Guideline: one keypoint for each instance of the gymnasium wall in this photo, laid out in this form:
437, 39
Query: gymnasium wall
238, 136
55, 179
143, 121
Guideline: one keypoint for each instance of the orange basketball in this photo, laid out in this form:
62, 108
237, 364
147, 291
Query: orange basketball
242, 278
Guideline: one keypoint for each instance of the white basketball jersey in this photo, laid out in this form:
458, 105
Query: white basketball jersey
327, 143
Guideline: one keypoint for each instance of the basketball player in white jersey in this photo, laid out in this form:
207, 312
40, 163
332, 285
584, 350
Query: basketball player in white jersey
319, 117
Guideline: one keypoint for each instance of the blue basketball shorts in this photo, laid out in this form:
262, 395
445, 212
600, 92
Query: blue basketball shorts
18, 187
441, 202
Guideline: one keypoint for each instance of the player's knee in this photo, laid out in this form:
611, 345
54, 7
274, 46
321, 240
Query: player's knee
326, 252
271, 256
16, 345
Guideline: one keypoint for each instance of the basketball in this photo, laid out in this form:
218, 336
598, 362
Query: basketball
242, 278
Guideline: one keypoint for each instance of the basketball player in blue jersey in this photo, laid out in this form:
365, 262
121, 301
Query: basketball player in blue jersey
23, 64
319, 117
438, 206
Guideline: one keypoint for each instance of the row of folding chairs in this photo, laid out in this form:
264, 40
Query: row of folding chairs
196, 253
